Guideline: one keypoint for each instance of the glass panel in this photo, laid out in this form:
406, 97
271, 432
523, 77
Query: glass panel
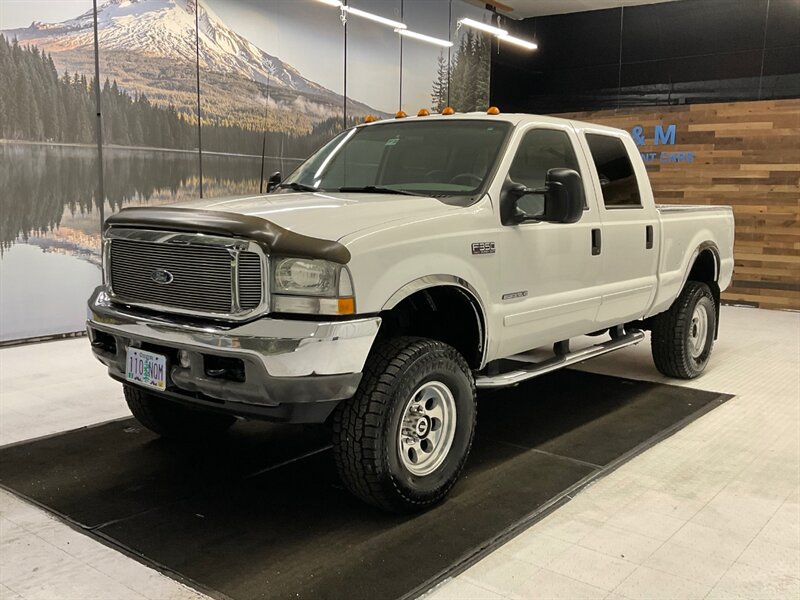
271, 85
49, 223
540, 151
470, 60
617, 179
443, 157
373, 62
425, 64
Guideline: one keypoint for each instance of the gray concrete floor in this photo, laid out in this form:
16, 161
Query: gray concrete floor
712, 512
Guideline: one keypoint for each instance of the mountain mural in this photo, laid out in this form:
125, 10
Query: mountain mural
148, 47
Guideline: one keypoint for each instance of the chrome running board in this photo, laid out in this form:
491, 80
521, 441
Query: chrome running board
558, 362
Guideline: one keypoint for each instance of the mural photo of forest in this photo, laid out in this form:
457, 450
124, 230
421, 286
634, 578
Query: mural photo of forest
258, 114
44, 106
464, 83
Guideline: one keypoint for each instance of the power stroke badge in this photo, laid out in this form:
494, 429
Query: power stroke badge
483, 247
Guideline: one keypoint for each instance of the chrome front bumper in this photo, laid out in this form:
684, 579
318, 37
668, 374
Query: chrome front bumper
285, 361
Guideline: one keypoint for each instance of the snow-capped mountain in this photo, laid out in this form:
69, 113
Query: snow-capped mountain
166, 29
148, 46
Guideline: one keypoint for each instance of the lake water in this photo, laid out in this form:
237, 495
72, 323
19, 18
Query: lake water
50, 219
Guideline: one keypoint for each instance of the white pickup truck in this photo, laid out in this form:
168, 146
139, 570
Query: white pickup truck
405, 264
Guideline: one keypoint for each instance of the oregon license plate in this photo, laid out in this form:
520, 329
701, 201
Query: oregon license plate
146, 368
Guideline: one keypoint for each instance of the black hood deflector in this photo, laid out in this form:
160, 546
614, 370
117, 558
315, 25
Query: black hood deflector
273, 238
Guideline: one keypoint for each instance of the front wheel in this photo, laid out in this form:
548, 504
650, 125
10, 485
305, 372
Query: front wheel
682, 337
401, 442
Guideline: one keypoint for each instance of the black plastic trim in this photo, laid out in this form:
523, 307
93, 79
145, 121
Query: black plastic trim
273, 238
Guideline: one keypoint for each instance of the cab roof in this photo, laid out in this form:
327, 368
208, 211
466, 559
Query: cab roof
513, 118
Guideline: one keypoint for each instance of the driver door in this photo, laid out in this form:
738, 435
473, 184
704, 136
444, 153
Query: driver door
550, 275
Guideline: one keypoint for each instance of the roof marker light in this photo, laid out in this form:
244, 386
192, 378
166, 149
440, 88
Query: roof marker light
400, 115
423, 112
448, 110
493, 110
370, 119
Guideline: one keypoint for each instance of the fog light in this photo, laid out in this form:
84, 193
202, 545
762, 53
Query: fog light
183, 358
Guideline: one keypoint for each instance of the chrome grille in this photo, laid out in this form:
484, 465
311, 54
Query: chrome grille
249, 280
202, 276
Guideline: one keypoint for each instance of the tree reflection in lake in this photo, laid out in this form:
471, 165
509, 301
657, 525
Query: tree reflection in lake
48, 200
47, 187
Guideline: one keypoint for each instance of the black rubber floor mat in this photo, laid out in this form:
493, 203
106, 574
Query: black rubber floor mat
261, 514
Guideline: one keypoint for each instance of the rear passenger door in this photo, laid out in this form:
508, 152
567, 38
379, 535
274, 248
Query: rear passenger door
630, 225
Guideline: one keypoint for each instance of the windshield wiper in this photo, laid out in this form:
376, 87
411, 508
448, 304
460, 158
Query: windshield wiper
298, 187
375, 189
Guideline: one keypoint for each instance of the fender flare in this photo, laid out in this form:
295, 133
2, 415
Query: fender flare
707, 245
443, 280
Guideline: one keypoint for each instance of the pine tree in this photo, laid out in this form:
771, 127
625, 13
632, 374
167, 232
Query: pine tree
469, 79
439, 92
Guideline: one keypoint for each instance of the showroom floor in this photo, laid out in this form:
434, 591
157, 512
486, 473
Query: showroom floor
713, 511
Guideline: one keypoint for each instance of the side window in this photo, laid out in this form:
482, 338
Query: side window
617, 179
540, 151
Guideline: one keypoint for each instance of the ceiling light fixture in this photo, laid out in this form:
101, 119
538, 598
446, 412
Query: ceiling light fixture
424, 38
518, 42
377, 18
482, 26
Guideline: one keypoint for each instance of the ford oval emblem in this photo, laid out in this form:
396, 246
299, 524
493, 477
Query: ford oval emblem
162, 276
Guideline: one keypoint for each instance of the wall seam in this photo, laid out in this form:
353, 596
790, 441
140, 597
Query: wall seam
763, 51
101, 194
199, 114
619, 66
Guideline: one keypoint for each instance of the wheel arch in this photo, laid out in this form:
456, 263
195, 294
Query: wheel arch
704, 267
454, 301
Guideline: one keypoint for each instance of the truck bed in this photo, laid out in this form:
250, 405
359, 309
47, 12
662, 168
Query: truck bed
687, 227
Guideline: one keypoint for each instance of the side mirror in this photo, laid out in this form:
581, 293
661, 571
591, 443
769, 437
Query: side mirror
561, 200
564, 197
273, 181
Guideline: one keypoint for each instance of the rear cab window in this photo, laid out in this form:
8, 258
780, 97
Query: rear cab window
618, 181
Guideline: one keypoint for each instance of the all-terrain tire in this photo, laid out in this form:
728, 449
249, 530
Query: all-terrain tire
367, 429
170, 419
682, 338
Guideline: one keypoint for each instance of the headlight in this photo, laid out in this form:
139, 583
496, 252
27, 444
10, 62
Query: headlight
310, 286
305, 276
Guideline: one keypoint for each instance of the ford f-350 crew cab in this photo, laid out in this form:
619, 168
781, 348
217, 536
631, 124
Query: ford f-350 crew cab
405, 264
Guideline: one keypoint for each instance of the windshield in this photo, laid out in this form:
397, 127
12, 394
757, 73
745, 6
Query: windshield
437, 158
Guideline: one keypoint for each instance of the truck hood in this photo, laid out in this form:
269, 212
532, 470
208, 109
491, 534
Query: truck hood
327, 216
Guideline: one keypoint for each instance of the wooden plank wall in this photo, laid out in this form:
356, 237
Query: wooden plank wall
746, 155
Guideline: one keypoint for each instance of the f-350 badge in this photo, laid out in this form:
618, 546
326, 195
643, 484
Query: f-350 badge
483, 247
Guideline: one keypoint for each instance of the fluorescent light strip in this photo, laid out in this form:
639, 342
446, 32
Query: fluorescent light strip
482, 26
424, 38
518, 42
378, 19
336, 3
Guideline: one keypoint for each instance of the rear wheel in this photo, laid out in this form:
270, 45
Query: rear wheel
682, 337
173, 420
401, 442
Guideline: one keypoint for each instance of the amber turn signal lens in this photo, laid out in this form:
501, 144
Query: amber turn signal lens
423, 112
448, 110
347, 306
370, 119
493, 110
400, 115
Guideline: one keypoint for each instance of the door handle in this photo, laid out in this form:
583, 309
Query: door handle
648, 237
597, 242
